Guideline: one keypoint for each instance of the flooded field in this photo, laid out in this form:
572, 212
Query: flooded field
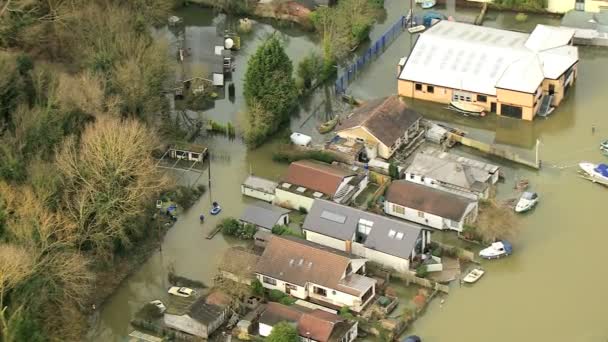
551, 289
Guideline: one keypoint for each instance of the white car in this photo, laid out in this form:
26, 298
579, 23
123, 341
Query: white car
159, 305
181, 291
526, 202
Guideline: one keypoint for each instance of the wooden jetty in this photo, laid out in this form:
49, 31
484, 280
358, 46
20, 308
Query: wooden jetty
214, 232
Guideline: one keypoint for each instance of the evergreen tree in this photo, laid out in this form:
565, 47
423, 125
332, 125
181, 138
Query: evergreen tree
269, 84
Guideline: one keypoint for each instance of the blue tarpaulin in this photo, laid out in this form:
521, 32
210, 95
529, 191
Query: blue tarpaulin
602, 169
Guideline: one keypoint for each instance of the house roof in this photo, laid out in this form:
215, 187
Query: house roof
450, 172
317, 176
386, 118
298, 262
427, 199
316, 324
480, 59
263, 214
260, 184
208, 309
340, 222
477, 164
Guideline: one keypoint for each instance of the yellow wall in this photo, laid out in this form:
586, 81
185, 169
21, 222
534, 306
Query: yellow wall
358, 132
563, 6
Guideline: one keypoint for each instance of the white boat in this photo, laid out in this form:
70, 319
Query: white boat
473, 276
526, 202
597, 173
468, 108
426, 4
416, 29
496, 250
300, 139
181, 291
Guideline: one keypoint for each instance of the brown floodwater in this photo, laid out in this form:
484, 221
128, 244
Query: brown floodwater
551, 289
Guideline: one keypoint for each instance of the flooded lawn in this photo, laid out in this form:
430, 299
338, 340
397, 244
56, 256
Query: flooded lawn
534, 295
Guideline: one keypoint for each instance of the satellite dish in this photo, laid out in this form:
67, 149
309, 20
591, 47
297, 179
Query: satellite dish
228, 43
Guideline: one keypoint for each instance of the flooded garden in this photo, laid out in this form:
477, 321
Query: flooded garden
536, 294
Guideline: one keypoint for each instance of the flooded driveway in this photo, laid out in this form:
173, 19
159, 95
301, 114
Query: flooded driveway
551, 289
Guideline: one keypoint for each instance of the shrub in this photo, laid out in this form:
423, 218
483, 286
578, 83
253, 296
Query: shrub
257, 288
521, 17
279, 229
287, 300
289, 155
276, 295
421, 271
303, 210
231, 226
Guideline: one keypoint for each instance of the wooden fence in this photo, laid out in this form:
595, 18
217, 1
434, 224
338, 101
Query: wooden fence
460, 252
411, 278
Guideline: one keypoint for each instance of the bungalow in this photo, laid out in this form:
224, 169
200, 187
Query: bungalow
312, 325
188, 152
429, 206
392, 243
202, 317
309, 271
308, 179
259, 188
265, 216
451, 175
512, 74
383, 124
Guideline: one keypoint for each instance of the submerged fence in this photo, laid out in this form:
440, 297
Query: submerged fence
376, 49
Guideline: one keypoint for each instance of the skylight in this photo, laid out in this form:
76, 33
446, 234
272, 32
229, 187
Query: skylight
331, 216
391, 233
400, 236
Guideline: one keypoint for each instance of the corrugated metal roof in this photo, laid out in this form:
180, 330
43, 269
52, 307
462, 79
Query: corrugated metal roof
479, 59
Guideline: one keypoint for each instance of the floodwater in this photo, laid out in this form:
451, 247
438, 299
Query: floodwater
551, 289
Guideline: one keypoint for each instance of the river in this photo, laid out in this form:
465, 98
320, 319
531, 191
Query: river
551, 289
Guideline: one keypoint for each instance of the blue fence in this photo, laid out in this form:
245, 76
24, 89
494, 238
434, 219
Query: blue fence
349, 73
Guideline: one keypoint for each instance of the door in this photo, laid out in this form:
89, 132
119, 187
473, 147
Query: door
493, 107
551, 89
511, 111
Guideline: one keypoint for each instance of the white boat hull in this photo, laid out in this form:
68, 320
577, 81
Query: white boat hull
588, 170
473, 276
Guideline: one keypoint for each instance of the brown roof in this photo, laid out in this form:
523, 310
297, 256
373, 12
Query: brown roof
317, 176
218, 298
239, 261
427, 199
386, 118
317, 324
298, 262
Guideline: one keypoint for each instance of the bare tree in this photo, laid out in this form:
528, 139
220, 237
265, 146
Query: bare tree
108, 178
496, 222
15, 266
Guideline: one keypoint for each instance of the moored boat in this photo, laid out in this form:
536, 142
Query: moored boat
526, 202
215, 209
597, 173
468, 108
328, 126
496, 250
428, 4
416, 29
473, 276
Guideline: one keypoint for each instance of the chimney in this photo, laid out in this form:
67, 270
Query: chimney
349, 246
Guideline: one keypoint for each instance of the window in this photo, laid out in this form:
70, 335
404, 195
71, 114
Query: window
399, 209
270, 281
320, 291
461, 98
482, 98
365, 226
399, 236
418, 86
468, 99
430, 89
511, 111
421, 214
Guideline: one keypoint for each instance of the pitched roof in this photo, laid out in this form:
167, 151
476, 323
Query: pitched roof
450, 172
239, 261
208, 309
317, 176
263, 214
316, 324
340, 222
260, 184
480, 59
386, 118
298, 262
427, 199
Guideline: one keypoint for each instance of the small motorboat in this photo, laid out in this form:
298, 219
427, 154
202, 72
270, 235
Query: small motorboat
526, 202
426, 4
328, 126
496, 250
416, 29
467, 108
215, 209
412, 338
604, 145
473, 276
597, 173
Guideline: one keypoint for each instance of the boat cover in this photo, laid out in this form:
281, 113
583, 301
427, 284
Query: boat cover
602, 169
507, 246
